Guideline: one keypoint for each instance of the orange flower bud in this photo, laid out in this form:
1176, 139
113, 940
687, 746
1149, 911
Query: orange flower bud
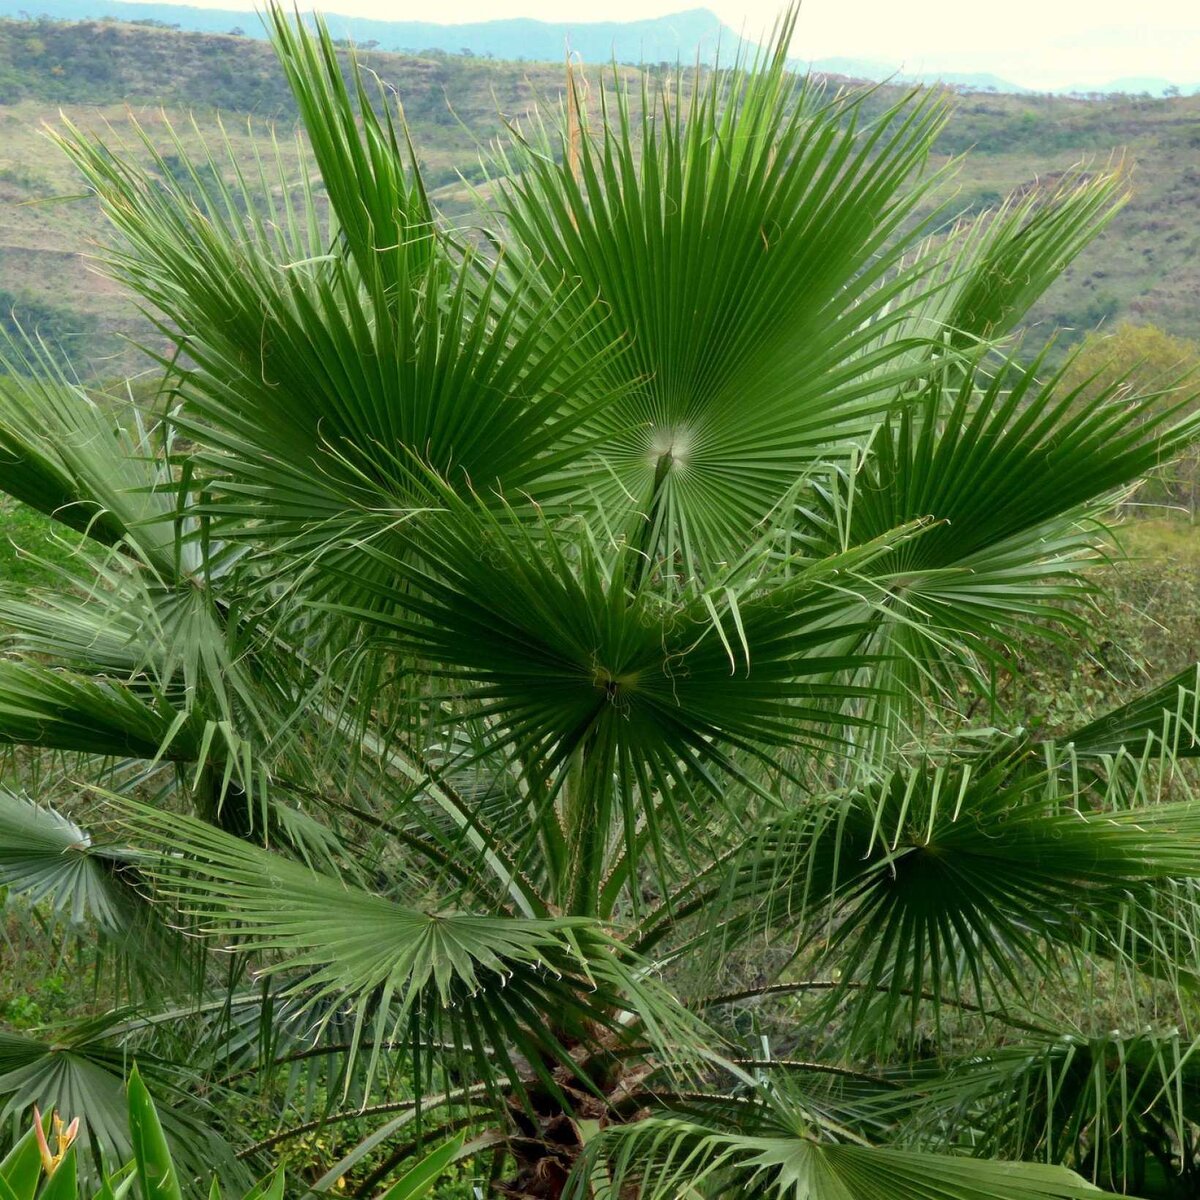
39, 1131
63, 1138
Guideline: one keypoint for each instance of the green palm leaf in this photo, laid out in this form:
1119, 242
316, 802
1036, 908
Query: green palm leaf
368, 169
63, 454
44, 856
332, 357
61, 710
1013, 471
486, 982
556, 632
792, 200
584, 675
420, 1178
665, 1158
1000, 264
949, 883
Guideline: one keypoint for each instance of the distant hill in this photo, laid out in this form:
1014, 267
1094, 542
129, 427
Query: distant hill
1146, 265
1129, 85
689, 36
680, 36
864, 68
1139, 85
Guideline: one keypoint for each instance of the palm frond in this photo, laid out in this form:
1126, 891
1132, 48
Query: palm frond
368, 167
1001, 262
584, 675
671, 1158
482, 984
948, 883
1014, 471
65, 455
500, 600
62, 710
760, 260
45, 856
334, 353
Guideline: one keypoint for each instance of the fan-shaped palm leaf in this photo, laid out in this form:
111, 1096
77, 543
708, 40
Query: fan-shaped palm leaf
1000, 264
332, 355
44, 856
1013, 470
666, 1158
792, 200
946, 883
488, 980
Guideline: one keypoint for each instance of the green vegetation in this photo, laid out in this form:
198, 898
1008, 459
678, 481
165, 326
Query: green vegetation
1139, 358
45, 1162
633, 704
31, 544
62, 332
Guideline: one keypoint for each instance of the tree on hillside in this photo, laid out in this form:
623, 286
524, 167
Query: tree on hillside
542, 684
1128, 361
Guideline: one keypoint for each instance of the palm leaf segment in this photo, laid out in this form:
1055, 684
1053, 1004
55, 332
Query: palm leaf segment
558, 634
786, 1158
942, 884
791, 200
585, 675
1166, 718
496, 985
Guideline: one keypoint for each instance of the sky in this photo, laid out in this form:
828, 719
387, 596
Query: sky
1036, 43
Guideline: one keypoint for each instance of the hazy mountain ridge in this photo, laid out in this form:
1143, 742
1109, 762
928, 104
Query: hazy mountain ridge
862, 68
687, 36
983, 81
680, 36
1146, 265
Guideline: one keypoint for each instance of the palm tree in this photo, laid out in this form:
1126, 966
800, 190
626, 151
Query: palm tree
543, 680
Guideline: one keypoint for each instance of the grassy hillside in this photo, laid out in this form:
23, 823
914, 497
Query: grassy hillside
1146, 266
98, 75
